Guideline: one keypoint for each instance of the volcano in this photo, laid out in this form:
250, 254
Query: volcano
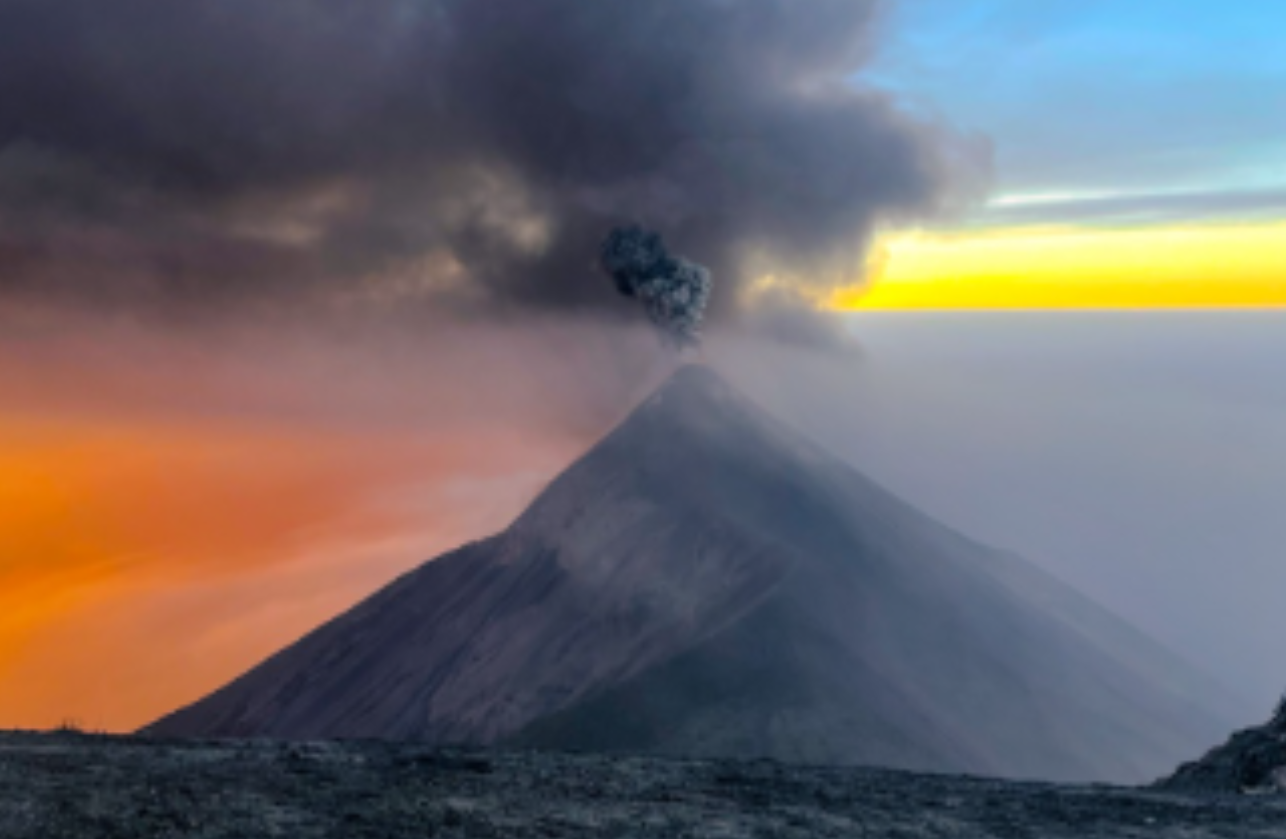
708, 582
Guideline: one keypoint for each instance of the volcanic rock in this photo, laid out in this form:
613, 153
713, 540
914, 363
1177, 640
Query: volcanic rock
1251, 761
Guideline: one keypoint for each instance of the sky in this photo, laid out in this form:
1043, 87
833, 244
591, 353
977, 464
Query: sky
1138, 154
293, 300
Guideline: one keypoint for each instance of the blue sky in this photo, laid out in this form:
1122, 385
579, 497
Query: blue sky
1107, 98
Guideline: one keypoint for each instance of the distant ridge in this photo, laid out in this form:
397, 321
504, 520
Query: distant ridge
707, 582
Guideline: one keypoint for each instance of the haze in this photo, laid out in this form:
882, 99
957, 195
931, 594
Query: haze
185, 510
1139, 456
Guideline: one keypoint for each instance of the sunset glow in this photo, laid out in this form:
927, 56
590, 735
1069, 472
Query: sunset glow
183, 552
1209, 266
169, 517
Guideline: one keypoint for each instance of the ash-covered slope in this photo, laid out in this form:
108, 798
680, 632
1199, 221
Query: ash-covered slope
707, 582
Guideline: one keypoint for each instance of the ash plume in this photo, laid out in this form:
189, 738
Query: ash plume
673, 290
451, 154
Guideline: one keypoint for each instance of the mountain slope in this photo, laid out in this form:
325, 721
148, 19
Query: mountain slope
707, 582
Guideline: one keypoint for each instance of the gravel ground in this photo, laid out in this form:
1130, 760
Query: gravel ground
110, 788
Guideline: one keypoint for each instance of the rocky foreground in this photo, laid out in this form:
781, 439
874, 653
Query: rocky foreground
77, 786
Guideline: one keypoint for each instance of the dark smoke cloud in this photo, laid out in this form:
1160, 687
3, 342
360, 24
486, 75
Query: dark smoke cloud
673, 291
466, 152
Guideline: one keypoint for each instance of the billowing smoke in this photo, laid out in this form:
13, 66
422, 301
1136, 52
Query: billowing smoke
458, 154
673, 290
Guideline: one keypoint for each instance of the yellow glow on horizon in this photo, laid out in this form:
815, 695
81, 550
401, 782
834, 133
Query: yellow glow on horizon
1078, 268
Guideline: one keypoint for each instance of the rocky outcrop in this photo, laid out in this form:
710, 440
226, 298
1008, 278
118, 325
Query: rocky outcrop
1252, 761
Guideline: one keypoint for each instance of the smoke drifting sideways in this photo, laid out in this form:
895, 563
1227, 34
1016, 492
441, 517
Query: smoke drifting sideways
674, 291
458, 156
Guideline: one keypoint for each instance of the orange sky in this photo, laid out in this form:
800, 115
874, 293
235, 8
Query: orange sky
143, 565
171, 511
156, 547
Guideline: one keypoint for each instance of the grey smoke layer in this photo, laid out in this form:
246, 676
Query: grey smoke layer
460, 151
673, 290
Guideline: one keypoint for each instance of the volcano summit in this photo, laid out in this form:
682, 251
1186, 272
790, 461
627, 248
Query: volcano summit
707, 582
